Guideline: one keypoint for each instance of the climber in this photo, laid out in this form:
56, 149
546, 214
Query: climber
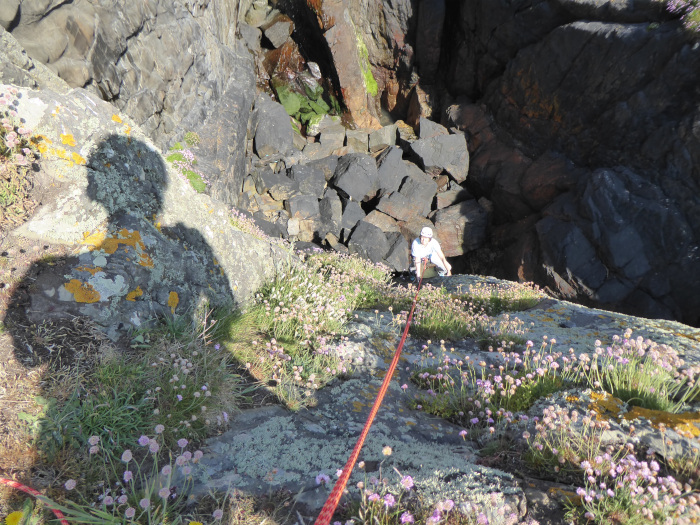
426, 249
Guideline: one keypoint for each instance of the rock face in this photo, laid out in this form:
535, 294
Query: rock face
172, 68
143, 242
548, 95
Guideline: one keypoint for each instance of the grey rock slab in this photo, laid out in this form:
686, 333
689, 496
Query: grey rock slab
311, 180
391, 170
356, 176
368, 241
382, 138
269, 449
273, 132
443, 152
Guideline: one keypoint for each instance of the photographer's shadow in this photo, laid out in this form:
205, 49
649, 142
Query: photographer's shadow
129, 271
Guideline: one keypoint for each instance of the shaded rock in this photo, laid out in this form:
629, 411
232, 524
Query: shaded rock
273, 131
332, 138
357, 140
405, 135
382, 138
278, 185
450, 197
461, 227
382, 221
443, 152
428, 129
546, 178
368, 242
431, 19
352, 214
424, 103
398, 257
302, 206
410, 229
311, 180
331, 211
277, 29
326, 164
356, 176
391, 170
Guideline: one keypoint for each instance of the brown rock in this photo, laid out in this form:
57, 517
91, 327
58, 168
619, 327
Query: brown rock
461, 228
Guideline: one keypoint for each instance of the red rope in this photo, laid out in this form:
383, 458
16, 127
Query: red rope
15, 485
324, 518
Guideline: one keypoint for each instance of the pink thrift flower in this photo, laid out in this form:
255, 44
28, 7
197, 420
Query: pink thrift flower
70, 484
144, 440
218, 514
164, 492
128, 476
94, 450
159, 429
182, 443
94, 440
153, 446
130, 512
127, 456
145, 503
166, 470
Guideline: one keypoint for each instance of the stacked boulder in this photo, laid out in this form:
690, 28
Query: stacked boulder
361, 191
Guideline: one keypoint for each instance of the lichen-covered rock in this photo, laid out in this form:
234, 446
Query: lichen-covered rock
144, 242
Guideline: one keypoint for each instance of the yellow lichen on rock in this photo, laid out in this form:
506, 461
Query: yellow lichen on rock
77, 159
68, 139
605, 405
685, 422
133, 294
116, 118
173, 301
91, 271
82, 292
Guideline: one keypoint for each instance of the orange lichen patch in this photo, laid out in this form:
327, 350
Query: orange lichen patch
685, 422
82, 292
117, 119
67, 139
127, 129
572, 399
570, 495
357, 406
91, 271
173, 301
128, 239
605, 405
133, 294
78, 159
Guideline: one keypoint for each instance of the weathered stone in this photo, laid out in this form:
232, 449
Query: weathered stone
352, 214
450, 197
405, 135
357, 140
325, 164
8, 13
278, 185
443, 152
428, 129
460, 228
277, 29
369, 242
382, 138
311, 180
546, 178
356, 176
424, 103
382, 221
273, 132
251, 36
391, 170
331, 210
317, 125
414, 198
431, 18
332, 138
302, 206
398, 258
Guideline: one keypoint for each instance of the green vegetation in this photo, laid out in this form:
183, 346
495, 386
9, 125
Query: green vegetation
184, 161
303, 107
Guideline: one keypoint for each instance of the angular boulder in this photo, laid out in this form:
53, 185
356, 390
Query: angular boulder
356, 176
443, 152
369, 242
273, 130
461, 227
311, 180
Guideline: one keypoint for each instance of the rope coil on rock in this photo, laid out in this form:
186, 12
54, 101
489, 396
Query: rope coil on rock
324, 518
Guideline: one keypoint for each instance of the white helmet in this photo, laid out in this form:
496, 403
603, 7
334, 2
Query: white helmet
426, 232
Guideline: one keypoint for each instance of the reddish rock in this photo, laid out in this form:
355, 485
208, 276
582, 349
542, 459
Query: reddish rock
461, 228
546, 178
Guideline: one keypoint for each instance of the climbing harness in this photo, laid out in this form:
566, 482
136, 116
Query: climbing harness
324, 518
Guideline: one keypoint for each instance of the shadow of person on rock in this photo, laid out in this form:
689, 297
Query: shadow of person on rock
128, 272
